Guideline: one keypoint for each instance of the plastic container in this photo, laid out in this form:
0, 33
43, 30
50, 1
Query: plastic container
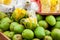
48, 7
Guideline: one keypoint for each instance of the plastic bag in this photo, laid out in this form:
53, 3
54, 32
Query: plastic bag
17, 7
31, 21
30, 6
9, 6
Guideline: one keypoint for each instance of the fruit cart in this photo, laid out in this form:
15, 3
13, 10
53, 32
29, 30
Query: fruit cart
30, 20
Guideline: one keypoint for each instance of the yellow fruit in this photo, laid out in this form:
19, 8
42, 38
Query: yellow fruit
54, 2
53, 5
18, 14
7, 2
52, 9
45, 5
1, 1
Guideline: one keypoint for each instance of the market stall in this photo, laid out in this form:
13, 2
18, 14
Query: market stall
29, 20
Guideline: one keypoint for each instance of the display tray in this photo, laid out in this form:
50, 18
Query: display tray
49, 13
3, 37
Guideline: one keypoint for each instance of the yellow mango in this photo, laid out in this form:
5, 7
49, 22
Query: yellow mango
7, 2
52, 9
54, 2
1, 1
18, 13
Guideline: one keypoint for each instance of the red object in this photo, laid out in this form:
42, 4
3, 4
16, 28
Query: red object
40, 9
3, 37
39, 5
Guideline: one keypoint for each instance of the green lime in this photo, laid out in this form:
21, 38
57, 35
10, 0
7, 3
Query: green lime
5, 23
47, 38
9, 34
43, 24
47, 32
51, 20
17, 28
39, 32
55, 34
39, 17
17, 37
28, 34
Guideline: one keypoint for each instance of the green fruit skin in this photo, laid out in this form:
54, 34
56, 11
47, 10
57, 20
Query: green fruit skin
47, 32
9, 34
55, 34
37, 25
28, 34
17, 28
17, 37
51, 20
39, 17
48, 38
13, 24
57, 25
58, 18
1, 30
39, 32
27, 24
35, 39
30, 27
43, 24
4, 26
5, 23
2, 15
22, 21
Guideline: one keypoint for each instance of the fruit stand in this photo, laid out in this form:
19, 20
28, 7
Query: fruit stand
30, 20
